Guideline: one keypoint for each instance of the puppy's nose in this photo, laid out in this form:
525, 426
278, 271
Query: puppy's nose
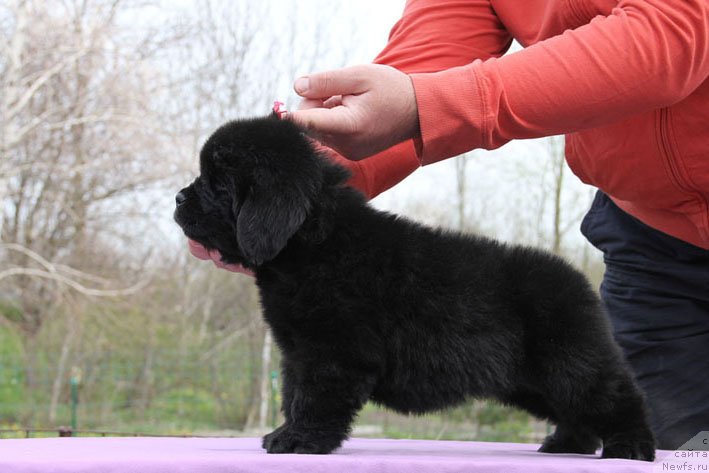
180, 198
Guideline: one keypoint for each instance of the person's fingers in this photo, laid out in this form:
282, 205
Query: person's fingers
359, 110
333, 102
216, 258
197, 250
202, 253
234, 268
307, 104
323, 85
325, 121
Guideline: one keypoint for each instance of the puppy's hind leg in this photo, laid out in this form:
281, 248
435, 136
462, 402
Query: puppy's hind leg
568, 438
624, 429
614, 409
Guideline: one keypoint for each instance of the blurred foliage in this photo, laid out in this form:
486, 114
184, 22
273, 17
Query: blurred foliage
10, 312
188, 396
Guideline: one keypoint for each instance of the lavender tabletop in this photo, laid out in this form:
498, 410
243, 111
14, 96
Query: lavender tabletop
244, 455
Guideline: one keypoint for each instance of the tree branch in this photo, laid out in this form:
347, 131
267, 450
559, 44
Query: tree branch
51, 271
43, 79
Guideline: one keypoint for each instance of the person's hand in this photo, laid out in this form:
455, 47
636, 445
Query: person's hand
202, 253
358, 111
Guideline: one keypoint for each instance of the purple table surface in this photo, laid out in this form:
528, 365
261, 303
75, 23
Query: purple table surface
244, 455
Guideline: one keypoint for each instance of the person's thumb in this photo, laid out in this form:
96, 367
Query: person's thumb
323, 85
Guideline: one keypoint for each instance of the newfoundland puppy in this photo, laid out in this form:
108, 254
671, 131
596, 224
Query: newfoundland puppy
365, 305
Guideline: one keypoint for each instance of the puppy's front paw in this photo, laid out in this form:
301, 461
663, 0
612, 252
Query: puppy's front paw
289, 439
268, 438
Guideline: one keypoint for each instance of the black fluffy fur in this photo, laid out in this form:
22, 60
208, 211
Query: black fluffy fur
366, 305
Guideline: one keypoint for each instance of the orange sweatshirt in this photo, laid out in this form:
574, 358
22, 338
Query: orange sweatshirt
625, 80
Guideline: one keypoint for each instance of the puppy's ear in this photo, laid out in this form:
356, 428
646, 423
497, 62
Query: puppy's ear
268, 217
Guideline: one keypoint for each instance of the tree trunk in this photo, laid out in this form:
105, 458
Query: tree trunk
265, 391
61, 367
460, 175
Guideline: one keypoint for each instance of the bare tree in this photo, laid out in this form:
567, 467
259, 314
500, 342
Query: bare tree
78, 138
101, 117
558, 162
461, 179
565, 202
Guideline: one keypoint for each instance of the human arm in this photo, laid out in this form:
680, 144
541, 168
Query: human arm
644, 55
430, 36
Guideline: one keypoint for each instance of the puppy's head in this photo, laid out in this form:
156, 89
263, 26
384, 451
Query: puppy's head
260, 179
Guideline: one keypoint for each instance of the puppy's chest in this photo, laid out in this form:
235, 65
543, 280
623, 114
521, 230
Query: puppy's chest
296, 314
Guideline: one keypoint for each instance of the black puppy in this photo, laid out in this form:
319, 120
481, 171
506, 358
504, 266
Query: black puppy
365, 305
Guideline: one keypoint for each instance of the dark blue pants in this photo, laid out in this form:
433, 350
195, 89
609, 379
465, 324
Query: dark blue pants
656, 290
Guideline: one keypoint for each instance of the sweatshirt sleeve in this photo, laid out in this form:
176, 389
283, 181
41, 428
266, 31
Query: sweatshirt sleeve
646, 54
431, 36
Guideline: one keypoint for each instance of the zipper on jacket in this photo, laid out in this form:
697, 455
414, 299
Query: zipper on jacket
668, 155
673, 166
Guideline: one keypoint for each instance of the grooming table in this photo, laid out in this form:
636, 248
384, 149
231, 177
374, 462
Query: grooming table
244, 455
